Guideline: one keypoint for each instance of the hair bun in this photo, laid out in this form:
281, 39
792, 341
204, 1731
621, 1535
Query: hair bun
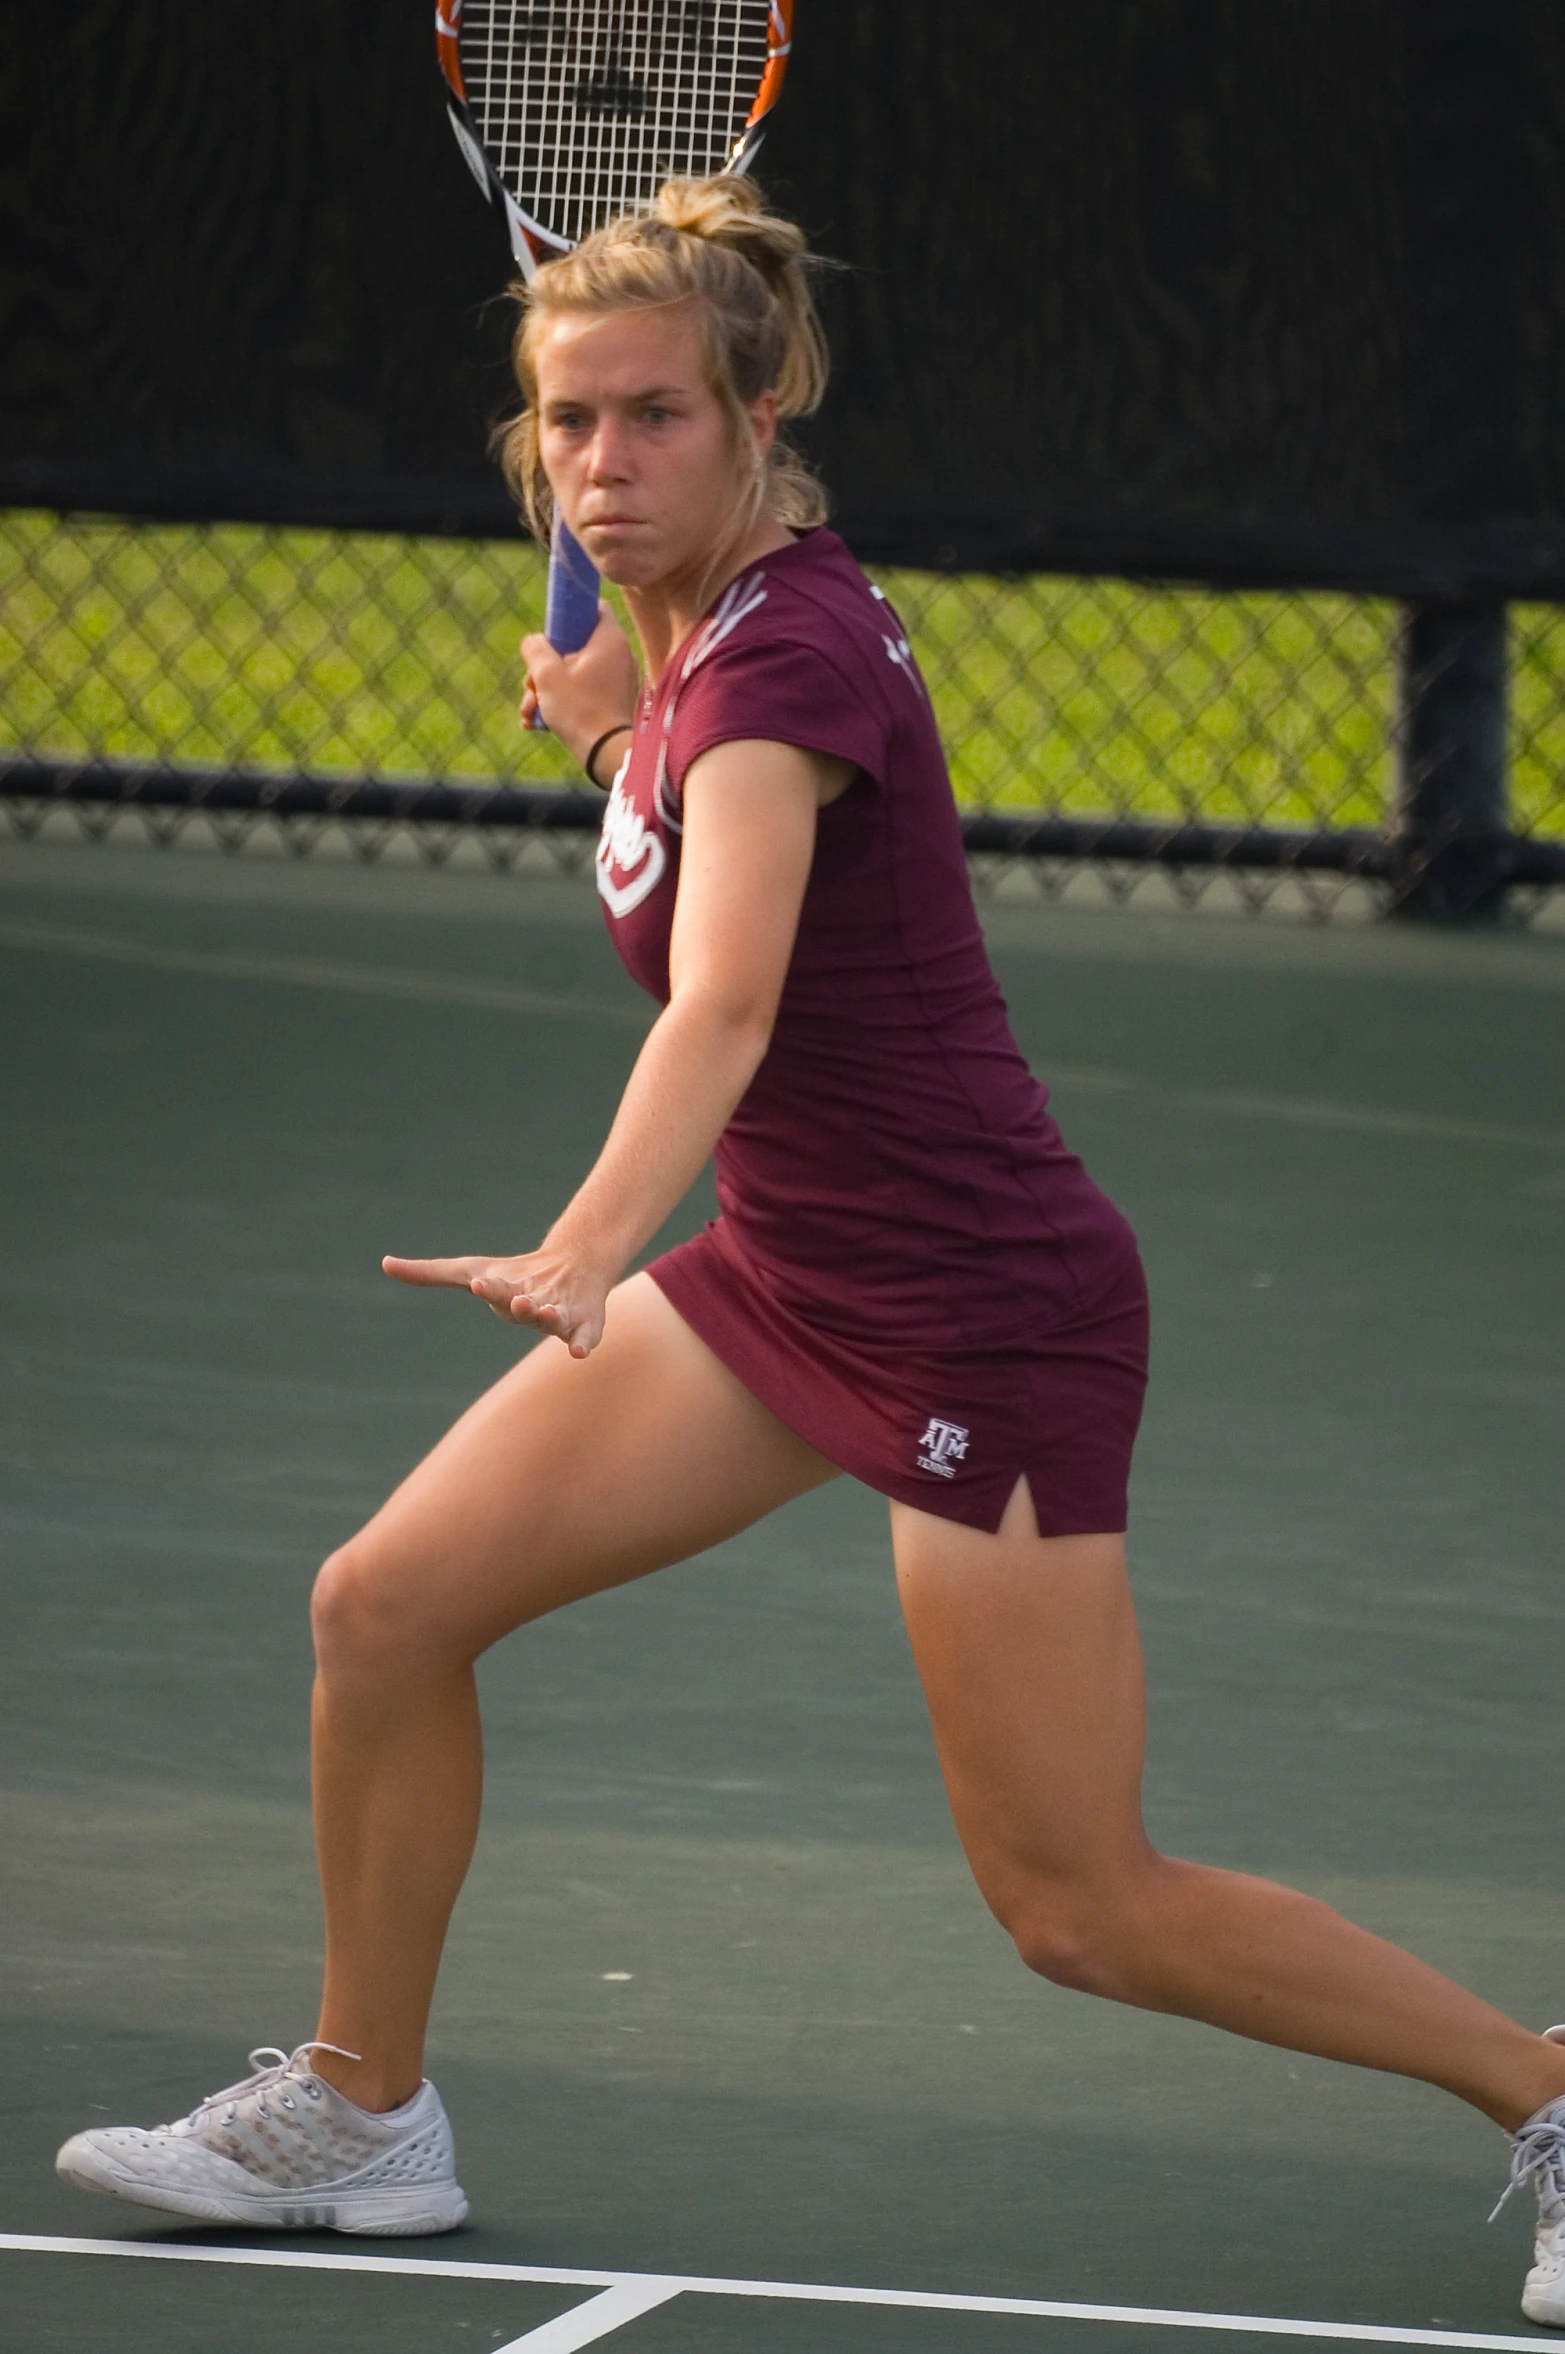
729, 210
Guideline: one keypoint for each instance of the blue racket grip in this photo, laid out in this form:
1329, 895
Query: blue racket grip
571, 614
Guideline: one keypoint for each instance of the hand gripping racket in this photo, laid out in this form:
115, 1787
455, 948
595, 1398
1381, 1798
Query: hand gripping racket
570, 114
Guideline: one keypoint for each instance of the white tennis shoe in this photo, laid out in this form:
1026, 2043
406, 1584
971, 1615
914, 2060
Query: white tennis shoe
284, 2151
1538, 2157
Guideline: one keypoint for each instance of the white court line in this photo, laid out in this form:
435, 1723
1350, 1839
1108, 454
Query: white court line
317, 972
424, 988
585, 2324
672, 2284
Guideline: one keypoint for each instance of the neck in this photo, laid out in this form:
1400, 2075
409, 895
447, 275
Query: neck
666, 612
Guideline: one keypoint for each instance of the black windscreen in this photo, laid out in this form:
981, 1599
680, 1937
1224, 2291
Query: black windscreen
1170, 286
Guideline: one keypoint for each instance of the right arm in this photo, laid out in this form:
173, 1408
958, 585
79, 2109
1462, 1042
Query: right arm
749, 812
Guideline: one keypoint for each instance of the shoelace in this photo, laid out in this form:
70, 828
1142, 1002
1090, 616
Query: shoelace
1537, 2155
269, 2063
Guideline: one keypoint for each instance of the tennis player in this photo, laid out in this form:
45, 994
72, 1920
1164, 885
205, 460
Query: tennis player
913, 1281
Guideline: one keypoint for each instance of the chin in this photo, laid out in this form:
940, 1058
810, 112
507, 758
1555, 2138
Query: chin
628, 567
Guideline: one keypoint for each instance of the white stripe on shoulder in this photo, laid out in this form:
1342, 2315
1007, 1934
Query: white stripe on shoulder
737, 602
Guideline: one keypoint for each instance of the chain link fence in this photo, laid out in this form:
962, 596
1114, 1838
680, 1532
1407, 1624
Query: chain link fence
194, 675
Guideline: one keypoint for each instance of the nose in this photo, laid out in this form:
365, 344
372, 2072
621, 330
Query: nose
606, 452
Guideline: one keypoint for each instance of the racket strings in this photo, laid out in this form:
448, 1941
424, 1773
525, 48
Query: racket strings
586, 110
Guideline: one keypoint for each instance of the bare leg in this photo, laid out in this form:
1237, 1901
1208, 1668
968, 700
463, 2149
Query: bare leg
1031, 1665
564, 1479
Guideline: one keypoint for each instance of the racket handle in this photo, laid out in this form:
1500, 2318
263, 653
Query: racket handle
571, 613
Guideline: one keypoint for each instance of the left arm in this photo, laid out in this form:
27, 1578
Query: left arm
749, 836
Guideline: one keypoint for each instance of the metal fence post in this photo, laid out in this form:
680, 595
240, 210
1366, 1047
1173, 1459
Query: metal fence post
1451, 840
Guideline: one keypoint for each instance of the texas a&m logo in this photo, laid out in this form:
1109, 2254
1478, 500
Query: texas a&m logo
942, 1445
631, 858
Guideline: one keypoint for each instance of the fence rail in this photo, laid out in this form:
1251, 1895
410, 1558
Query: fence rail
256, 674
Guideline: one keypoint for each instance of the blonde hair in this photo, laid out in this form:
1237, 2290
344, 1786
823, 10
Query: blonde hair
712, 243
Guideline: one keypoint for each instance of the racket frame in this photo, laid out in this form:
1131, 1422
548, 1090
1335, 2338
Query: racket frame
531, 242
572, 607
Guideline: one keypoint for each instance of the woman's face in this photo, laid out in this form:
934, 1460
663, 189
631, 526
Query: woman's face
639, 454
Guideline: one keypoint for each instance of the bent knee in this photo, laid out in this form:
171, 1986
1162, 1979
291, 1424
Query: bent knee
1065, 1950
364, 1613
1084, 1939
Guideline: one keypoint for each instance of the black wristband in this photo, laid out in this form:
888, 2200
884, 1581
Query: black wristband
621, 726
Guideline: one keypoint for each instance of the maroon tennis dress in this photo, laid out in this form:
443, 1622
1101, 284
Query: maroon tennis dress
910, 1269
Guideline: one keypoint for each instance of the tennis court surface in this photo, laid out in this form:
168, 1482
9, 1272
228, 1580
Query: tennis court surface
726, 2035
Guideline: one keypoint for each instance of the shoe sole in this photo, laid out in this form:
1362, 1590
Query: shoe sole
381, 2214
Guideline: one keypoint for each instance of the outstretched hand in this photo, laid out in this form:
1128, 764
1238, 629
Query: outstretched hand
544, 1289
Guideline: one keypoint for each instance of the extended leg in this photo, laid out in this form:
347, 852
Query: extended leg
564, 1479
1030, 1661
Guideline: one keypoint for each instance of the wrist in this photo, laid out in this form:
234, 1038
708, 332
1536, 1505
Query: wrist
575, 1237
617, 728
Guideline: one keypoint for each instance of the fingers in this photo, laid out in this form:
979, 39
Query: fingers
487, 1279
510, 1302
505, 1294
453, 1274
580, 694
546, 676
550, 668
581, 1334
586, 1336
500, 1292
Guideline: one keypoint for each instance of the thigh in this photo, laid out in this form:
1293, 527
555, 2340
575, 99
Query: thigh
1031, 1665
570, 1476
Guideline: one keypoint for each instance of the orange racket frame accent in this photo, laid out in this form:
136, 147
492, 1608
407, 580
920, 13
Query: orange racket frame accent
779, 47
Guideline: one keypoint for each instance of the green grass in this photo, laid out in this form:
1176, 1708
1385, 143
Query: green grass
375, 654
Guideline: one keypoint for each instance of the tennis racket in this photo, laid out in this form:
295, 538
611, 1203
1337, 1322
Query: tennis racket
571, 114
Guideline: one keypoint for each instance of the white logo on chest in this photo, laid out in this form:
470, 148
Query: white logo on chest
942, 1443
897, 649
631, 859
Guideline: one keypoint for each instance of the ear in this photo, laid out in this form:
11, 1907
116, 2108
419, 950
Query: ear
762, 414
